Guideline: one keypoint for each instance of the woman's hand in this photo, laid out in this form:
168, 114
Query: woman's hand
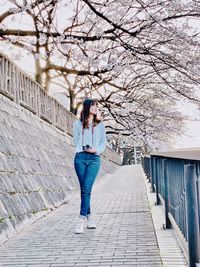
91, 150
99, 115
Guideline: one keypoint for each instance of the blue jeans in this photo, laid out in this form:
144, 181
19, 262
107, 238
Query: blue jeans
86, 166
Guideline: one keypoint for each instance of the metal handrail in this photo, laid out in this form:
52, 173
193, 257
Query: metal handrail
175, 177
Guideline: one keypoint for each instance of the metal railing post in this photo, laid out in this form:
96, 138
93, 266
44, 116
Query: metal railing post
167, 199
152, 173
192, 215
157, 162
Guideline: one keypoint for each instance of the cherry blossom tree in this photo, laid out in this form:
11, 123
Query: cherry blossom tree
137, 57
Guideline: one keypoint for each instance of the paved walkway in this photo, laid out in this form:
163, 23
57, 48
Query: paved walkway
124, 236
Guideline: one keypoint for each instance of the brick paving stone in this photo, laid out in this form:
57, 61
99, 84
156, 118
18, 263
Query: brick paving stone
124, 236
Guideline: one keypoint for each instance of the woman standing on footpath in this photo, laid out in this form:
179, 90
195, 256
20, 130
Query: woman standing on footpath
89, 139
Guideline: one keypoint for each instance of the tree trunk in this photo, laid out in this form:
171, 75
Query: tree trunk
38, 73
38, 69
73, 107
47, 77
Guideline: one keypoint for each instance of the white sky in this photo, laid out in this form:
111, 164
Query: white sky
191, 138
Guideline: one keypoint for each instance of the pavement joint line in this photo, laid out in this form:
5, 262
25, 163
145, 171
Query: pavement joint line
126, 212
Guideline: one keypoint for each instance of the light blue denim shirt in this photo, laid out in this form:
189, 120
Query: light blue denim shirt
99, 137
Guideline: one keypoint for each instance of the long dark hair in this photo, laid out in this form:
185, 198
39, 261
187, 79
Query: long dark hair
84, 115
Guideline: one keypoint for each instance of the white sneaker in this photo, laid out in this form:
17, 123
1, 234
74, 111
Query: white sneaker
90, 223
79, 229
